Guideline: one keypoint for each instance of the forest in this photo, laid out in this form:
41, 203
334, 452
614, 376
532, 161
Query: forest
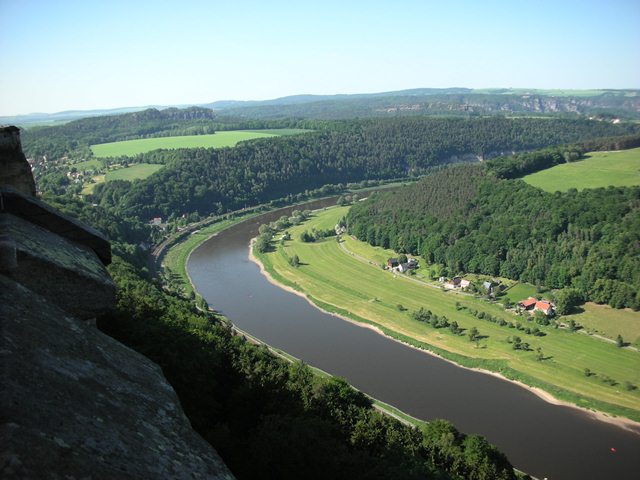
253, 406
442, 102
470, 221
214, 181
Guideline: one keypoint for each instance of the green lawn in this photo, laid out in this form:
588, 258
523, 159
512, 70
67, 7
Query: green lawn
87, 165
136, 171
609, 322
520, 291
599, 169
341, 283
216, 140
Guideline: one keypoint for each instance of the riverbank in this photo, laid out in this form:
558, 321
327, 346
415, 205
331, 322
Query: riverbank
625, 423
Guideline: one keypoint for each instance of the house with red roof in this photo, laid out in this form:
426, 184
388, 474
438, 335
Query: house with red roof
544, 307
527, 304
534, 304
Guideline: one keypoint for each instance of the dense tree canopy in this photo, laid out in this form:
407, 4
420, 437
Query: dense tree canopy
208, 180
472, 222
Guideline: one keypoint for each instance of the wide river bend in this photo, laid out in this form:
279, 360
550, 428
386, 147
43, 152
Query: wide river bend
545, 440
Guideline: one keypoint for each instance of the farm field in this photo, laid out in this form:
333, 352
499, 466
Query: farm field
216, 140
599, 169
609, 322
135, 171
87, 165
364, 292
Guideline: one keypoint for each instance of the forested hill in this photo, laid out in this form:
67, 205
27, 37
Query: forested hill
252, 405
213, 181
470, 221
57, 141
606, 103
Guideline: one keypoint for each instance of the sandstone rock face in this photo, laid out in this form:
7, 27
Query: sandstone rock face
14, 168
77, 404
67, 273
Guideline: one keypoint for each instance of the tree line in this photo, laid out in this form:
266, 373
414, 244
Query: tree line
519, 165
214, 180
469, 221
263, 414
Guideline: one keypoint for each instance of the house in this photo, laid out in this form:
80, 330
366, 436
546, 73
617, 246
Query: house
544, 307
410, 264
533, 304
392, 263
464, 283
527, 304
156, 221
453, 283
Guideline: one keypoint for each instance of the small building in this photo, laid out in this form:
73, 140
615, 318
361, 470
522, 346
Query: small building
453, 283
544, 307
464, 283
410, 264
156, 221
528, 304
533, 304
393, 263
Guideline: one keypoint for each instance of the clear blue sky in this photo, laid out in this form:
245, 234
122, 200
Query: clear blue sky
62, 54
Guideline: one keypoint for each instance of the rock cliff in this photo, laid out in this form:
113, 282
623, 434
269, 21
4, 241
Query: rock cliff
75, 403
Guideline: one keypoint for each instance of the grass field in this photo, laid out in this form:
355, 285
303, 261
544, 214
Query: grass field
216, 140
520, 291
87, 165
87, 189
138, 170
341, 283
599, 169
609, 322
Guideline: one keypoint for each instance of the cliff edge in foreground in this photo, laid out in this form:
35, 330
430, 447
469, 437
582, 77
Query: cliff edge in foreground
75, 403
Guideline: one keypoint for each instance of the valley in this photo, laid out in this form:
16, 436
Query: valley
358, 288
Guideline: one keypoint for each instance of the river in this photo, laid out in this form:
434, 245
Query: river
545, 440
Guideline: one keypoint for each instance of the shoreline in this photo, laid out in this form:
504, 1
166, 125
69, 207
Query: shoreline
621, 422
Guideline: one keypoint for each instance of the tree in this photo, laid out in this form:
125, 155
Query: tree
619, 341
294, 261
566, 300
474, 334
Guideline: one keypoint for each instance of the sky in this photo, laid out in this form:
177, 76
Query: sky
87, 54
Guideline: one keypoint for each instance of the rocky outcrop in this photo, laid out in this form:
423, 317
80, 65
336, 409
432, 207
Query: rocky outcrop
14, 168
76, 403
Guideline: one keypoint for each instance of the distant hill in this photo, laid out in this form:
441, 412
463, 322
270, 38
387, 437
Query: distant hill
604, 103
607, 104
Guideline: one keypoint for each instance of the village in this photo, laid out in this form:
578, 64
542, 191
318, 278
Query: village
491, 288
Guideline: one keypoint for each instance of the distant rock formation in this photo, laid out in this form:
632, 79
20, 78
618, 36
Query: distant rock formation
75, 403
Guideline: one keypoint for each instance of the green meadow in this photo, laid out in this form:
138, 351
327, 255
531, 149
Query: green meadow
599, 169
134, 172
345, 277
87, 165
216, 140
608, 322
